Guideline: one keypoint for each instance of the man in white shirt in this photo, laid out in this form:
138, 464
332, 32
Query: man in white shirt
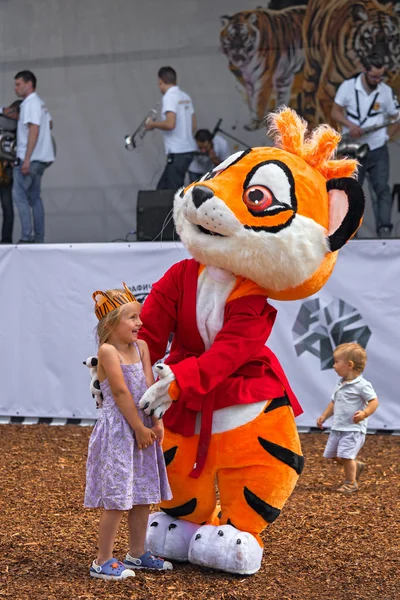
178, 126
213, 150
34, 154
361, 102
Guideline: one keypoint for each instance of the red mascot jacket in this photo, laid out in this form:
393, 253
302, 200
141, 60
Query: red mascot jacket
237, 369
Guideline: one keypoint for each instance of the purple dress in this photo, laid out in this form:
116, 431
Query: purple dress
118, 474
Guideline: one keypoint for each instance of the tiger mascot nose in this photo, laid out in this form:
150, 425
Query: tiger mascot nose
200, 194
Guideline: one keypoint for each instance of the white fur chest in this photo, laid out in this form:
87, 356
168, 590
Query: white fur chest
213, 289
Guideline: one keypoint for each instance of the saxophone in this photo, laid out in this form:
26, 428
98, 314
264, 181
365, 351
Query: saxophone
349, 146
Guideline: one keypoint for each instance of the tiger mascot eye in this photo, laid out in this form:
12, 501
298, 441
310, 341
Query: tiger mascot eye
266, 223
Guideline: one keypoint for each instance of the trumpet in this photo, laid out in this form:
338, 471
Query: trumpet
140, 132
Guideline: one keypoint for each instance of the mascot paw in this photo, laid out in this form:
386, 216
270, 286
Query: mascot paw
169, 537
225, 548
156, 400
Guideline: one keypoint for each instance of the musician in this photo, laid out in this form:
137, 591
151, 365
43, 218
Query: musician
6, 174
213, 150
34, 154
177, 126
362, 102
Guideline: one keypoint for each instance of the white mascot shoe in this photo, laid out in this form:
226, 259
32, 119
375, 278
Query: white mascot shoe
169, 537
225, 548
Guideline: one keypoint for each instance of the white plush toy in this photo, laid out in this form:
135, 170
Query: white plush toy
95, 390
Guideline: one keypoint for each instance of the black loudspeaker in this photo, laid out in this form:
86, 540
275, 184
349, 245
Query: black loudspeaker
154, 216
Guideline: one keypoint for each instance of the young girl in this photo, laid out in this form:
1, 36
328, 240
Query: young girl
125, 466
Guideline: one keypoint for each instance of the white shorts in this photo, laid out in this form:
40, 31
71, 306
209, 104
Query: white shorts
344, 444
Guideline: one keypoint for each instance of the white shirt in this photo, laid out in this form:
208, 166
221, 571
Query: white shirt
349, 397
33, 110
180, 139
201, 164
366, 109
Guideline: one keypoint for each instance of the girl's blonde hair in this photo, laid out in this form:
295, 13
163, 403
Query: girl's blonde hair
110, 320
355, 353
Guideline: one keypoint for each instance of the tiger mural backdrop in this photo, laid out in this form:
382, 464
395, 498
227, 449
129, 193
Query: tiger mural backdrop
265, 51
299, 55
268, 222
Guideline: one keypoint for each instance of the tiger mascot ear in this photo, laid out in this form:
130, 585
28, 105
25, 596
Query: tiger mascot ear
346, 209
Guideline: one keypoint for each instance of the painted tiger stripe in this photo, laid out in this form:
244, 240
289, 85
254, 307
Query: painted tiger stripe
290, 458
266, 511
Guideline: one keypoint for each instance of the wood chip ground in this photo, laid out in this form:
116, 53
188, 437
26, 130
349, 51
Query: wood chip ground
324, 546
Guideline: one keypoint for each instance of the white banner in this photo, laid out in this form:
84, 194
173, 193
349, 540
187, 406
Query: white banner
360, 302
48, 323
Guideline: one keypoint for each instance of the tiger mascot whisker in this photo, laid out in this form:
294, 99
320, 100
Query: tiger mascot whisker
265, 51
266, 223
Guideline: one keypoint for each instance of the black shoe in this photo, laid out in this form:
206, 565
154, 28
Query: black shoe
25, 242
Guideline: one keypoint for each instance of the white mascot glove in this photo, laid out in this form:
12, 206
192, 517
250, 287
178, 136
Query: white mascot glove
156, 400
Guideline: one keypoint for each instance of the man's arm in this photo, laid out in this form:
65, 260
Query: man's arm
32, 140
394, 114
338, 114
194, 123
167, 125
11, 112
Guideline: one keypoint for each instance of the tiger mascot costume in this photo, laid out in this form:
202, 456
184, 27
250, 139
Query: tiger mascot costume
266, 223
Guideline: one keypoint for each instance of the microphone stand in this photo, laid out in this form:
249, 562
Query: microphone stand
217, 129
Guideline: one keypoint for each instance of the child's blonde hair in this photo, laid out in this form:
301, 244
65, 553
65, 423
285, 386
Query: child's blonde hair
355, 353
110, 320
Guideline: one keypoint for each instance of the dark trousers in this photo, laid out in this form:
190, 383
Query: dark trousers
173, 176
376, 166
8, 213
194, 176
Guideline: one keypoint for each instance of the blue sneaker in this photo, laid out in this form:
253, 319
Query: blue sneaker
112, 569
147, 561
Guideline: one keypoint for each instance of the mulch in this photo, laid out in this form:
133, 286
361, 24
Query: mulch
323, 546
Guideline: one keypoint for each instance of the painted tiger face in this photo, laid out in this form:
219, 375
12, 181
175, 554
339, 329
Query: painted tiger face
263, 214
240, 37
376, 28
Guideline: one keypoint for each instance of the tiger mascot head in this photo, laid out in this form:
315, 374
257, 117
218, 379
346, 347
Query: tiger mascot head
275, 215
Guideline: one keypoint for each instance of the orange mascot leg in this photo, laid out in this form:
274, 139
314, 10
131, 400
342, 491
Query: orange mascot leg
260, 463
193, 499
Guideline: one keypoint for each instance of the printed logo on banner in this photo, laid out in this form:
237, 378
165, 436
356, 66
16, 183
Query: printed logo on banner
140, 291
319, 329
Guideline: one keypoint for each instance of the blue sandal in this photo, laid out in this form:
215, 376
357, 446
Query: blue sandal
147, 561
112, 569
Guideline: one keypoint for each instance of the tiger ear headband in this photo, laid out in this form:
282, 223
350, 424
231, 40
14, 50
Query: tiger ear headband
105, 303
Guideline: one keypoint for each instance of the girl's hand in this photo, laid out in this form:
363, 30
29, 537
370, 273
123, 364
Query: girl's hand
144, 437
158, 429
320, 421
359, 416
